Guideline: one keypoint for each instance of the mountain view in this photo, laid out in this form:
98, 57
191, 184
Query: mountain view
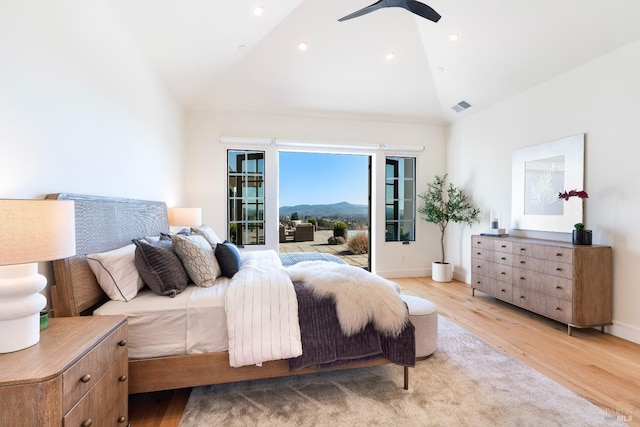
340, 210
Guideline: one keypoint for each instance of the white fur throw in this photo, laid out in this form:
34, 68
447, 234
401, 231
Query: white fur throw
360, 296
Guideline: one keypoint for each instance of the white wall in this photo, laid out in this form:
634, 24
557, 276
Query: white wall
207, 165
599, 99
79, 111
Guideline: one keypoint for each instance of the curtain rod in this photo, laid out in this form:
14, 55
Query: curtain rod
319, 144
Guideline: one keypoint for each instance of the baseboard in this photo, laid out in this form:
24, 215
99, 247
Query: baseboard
397, 274
627, 332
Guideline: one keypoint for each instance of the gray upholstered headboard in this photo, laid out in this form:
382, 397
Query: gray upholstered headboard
102, 224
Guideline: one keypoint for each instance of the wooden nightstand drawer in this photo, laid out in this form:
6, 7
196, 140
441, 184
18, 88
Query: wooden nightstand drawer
105, 403
35, 382
84, 374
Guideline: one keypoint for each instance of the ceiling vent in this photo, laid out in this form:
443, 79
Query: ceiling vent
461, 106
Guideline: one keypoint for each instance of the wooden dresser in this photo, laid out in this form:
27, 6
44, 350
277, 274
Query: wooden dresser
565, 282
75, 376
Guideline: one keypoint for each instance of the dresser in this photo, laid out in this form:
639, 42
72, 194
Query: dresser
75, 376
568, 283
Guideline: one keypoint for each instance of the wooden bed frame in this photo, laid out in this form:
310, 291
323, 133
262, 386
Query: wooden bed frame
104, 223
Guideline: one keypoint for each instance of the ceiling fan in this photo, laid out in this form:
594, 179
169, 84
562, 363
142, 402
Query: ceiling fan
414, 6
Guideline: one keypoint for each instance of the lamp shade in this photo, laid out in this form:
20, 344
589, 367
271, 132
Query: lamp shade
185, 216
36, 230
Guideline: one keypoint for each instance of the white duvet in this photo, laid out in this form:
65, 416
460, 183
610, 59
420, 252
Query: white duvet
262, 312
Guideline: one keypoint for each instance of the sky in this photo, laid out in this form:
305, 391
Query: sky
318, 179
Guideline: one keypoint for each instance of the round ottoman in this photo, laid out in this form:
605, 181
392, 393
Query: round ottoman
424, 316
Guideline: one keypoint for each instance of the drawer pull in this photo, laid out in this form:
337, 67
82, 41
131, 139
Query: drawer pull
87, 423
502, 290
85, 378
122, 378
503, 246
477, 266
558, 269
558, 287
522, 297
478, 282
522, 278
523, 249
522, 262
503, 259
478, 253
122, 343
122, 419
503, 273
558, 254
558, 309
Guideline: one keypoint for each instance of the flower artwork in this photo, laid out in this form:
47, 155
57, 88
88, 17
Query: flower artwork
573, 193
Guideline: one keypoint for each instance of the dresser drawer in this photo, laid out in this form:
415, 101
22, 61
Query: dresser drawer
482, 242
84, 374
502, 258
529, 299
557, 287
556, 268
106, 404
500, 245
482, 253
493, 287
500, 271
559, 309
554, 253
523, 249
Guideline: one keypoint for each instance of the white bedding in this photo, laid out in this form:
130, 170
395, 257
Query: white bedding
262, 312
254, 316
158, 325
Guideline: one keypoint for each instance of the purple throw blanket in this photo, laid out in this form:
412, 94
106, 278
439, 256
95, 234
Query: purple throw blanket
325, 346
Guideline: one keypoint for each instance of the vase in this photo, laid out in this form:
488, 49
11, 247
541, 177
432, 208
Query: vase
582, 237
441, 272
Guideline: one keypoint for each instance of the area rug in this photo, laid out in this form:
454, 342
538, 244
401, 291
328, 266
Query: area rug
467, 382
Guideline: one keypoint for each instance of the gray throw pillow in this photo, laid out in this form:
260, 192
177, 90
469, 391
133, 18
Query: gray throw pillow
160, 267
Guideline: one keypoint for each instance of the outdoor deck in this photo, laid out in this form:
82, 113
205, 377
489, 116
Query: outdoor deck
319, 244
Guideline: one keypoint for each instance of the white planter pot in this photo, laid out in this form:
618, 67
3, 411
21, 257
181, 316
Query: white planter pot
441, 272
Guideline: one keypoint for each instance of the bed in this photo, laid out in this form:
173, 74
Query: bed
105, 223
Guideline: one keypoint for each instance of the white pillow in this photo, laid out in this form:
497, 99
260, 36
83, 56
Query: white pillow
116, 272
208, 233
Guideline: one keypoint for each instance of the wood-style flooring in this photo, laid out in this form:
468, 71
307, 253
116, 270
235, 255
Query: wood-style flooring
600, 367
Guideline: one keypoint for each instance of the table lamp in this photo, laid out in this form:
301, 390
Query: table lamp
30, 231
185, 216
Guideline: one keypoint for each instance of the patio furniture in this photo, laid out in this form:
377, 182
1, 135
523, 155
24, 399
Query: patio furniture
303, 232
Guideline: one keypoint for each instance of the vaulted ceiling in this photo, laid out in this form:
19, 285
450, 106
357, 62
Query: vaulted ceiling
218, 55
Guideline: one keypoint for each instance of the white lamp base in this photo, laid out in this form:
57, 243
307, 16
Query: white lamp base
20, 305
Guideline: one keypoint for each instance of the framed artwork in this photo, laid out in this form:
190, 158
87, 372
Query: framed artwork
539, 173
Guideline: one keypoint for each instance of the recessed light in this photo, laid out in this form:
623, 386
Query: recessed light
390, 55
302, 46
258, 10
454, 37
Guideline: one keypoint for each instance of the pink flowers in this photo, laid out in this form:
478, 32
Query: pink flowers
573, 193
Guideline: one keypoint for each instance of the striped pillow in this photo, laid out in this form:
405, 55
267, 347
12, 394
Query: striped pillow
116, 272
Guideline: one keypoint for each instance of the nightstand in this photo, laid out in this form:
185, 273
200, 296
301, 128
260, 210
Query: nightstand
75, 376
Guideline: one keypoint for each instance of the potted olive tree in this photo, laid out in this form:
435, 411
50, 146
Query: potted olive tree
444, 204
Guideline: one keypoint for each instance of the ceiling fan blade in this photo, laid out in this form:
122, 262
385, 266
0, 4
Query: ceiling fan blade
423, 10
363, 11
